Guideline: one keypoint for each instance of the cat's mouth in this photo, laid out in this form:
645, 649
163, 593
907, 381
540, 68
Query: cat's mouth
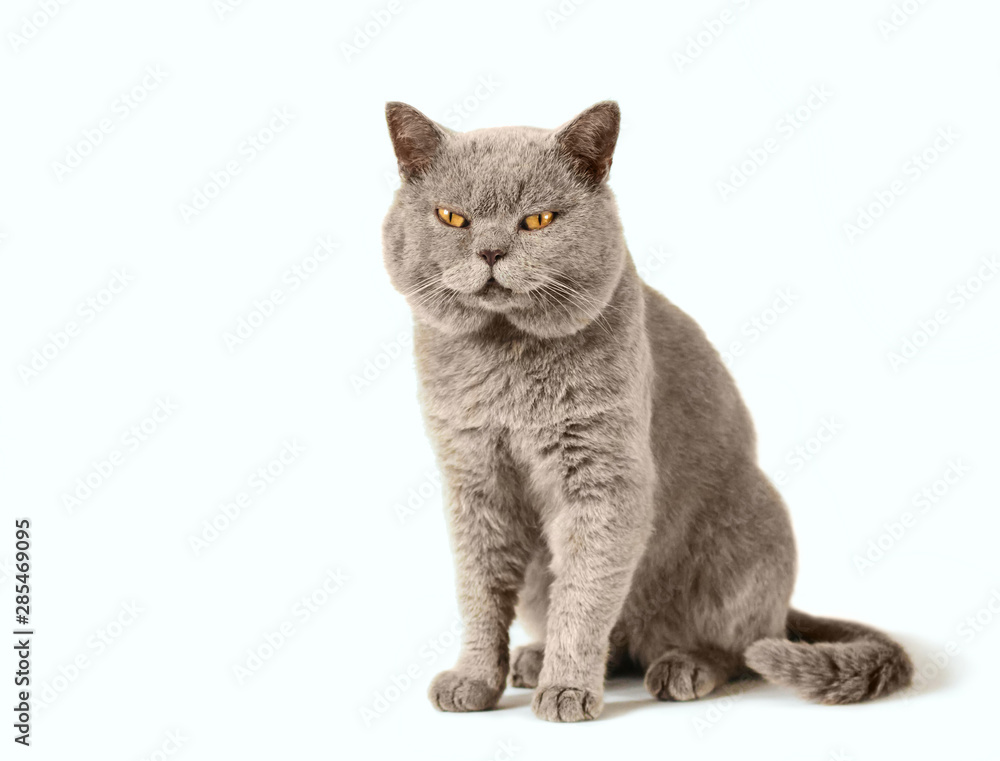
493, 289
493, 296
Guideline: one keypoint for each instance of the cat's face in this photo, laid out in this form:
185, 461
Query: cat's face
514, 222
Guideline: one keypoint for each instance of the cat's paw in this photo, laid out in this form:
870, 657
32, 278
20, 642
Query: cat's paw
454, 691
567, 704
526, 664
680, 676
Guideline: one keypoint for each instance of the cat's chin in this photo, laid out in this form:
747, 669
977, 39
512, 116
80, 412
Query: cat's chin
493, 298
467, 321
482, 309
456, 320
492, 294
546, 327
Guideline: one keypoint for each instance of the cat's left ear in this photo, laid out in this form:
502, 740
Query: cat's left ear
415, 138
589, 140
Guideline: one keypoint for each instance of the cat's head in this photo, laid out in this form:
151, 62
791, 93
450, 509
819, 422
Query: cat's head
511, 221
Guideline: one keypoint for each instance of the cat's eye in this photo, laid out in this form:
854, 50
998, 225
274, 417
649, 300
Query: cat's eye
538, 221
452, 218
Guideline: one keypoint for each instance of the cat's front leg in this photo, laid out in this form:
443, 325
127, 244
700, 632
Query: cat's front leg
492, 537
596, 535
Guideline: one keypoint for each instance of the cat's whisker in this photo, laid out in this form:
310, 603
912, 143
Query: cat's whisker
571, 285
580, 300
423, 285
559, 297
599, 317
550, 297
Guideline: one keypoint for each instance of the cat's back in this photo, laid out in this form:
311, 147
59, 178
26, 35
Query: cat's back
695, 399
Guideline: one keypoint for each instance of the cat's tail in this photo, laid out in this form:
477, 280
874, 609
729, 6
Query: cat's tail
831, 661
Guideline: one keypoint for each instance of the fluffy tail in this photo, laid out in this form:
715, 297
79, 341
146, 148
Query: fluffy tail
832, 662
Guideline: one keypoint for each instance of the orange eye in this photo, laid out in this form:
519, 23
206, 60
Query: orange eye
538, 221
452, 218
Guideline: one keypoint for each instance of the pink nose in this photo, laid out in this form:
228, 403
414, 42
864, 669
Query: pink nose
491, 257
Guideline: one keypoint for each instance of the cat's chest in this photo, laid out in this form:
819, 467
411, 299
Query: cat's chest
512, 384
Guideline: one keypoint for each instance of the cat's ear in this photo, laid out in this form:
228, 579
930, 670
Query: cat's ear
415, 138
589, 140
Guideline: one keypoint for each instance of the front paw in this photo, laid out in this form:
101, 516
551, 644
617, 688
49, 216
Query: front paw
454, 691
567, 704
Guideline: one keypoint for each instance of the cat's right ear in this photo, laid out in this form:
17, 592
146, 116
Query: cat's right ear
415, 138
589, 140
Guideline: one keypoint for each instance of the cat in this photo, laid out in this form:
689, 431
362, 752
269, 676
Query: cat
600, 470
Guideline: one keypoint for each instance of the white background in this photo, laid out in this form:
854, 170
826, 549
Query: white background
328, 690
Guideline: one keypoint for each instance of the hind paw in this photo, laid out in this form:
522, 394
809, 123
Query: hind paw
526, 664
678, 675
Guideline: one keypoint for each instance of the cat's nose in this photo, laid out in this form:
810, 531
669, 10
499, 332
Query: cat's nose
491, 257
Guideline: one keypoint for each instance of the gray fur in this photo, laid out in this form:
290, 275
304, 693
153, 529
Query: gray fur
600, 466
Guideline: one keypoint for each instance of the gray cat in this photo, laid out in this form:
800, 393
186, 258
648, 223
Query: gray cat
600, 466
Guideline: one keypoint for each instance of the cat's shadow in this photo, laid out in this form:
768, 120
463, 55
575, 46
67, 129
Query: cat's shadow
626, 693
929, 676
635, 696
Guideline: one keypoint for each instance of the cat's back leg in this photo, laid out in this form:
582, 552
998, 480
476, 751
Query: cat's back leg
526, 664
705, 594
680, 674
